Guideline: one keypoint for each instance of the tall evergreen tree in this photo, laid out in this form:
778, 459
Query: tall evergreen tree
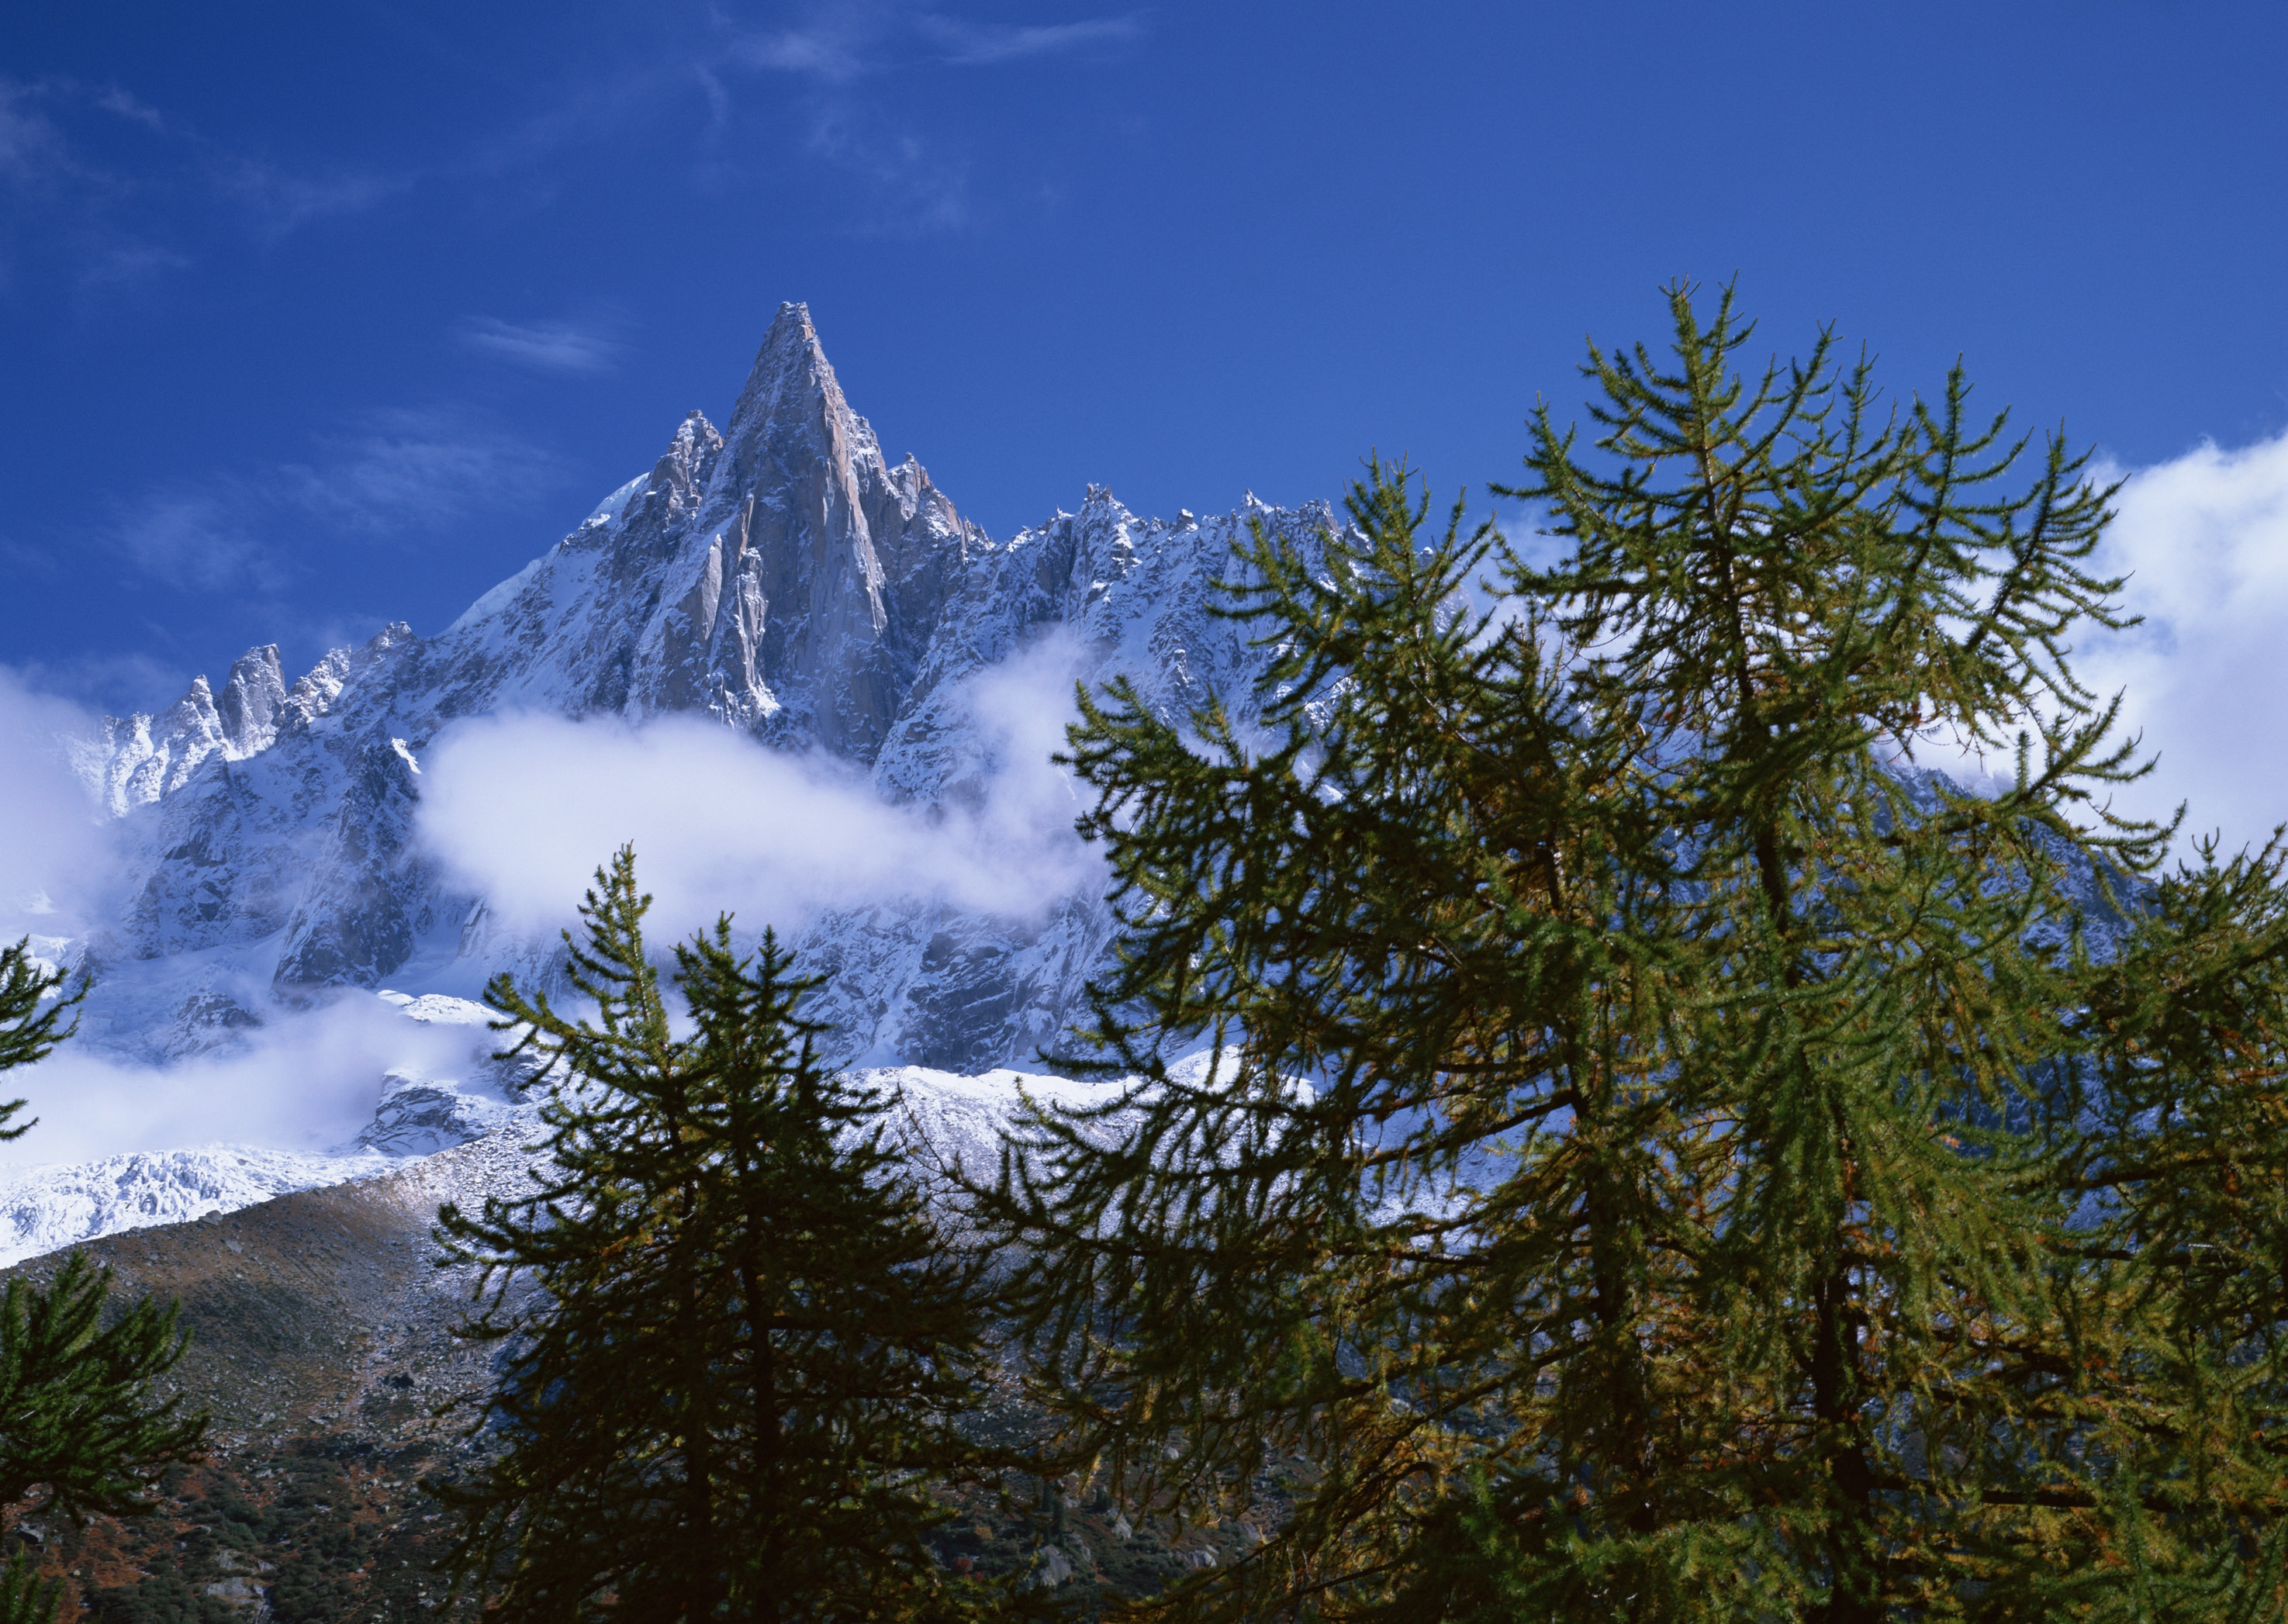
81, 1429
747, 1349
1632, 1186
2167, 1398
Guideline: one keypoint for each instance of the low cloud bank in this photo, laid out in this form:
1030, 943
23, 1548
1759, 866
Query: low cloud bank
58, 855
522, 809
308, 1082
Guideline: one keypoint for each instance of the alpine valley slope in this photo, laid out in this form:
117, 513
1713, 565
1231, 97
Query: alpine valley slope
780, 577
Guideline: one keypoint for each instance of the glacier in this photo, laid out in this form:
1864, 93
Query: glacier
778, 579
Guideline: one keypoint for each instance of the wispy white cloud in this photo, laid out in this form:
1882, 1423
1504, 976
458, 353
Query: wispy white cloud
543, 347
521, 809
915, 188
415, 468
126, 265
32, 150
123, 104
28, 560
844, 43
834, 49
203, 538
60, 205
116, 215
974, 44
915, 185
281, 200
394, 471
115, 225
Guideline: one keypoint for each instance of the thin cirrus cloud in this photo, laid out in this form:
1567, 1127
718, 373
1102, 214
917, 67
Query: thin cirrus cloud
559, 348
834, 53
200, 538
913, 184
848, 43
118, 225
970, 45
127, 265
117, 216
31, 147
280, 201
418, 468
396, 471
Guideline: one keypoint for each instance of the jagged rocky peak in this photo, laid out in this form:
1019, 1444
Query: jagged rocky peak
806, 575
780, 576
679, 480
194, 714
252, 701
146, 757
793, 412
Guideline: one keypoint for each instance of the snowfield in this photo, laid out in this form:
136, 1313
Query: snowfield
46, 1208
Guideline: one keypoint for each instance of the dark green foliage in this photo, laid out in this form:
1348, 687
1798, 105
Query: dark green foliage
24, 1597
1688, 1213
2169, 1386
78, 1422
80, 1430
162, 1599
751, 1347
35, 1015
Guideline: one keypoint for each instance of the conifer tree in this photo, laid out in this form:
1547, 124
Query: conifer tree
744, 1347
81, 1429
2169, 1395
1631, 1184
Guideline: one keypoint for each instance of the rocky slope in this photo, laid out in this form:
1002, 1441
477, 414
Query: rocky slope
321, 1343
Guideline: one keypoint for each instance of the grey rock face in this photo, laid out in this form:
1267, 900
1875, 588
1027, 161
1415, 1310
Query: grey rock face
781, 576
252, 702
367, 898
844, 562
417, 1115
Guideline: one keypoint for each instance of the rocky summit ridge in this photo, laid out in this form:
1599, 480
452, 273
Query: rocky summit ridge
780, 577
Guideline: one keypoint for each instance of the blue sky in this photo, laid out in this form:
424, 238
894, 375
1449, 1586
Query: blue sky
317, 316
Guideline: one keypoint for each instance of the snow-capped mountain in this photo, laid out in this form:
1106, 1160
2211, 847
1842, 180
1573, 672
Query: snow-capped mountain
780, 577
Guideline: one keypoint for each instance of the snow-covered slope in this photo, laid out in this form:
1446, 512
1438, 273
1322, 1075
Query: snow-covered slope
940, 1119
45, 1209
780, 577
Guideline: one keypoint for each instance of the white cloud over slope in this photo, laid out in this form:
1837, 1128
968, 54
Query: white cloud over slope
523, 808
2203, 539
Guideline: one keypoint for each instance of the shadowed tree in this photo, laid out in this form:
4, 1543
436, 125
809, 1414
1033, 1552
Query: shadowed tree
749, 1348
81, 1431
1648, 1173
